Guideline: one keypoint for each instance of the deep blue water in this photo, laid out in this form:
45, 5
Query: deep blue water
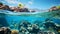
31, 19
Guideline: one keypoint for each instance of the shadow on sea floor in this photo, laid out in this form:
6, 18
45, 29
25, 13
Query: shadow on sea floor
3, 21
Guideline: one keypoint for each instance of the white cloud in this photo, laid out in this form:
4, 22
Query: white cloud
11, 1
30, 2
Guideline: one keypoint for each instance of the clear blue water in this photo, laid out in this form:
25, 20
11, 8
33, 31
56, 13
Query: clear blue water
10, 19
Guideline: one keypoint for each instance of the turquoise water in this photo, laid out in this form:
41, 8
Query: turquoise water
11, 19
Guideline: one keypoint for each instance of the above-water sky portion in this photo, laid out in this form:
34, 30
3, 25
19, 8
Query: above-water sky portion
39, 4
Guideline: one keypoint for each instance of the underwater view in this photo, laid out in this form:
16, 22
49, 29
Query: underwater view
20, 17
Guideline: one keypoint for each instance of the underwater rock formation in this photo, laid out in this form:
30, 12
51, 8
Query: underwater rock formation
5, 30
23, 23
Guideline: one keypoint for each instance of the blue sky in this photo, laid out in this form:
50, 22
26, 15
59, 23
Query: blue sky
39, 4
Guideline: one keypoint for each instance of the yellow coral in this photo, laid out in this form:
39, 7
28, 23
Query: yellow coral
59, 31
14, 32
